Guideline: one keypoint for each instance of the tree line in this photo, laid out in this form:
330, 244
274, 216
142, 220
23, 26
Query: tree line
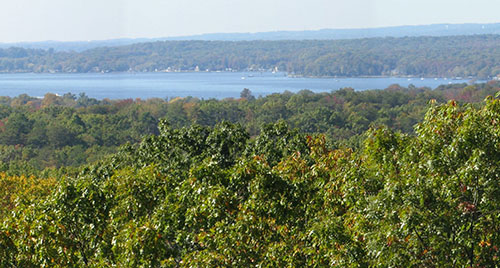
452, 56
70, 130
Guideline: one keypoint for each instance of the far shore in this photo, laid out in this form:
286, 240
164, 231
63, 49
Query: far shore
268, 72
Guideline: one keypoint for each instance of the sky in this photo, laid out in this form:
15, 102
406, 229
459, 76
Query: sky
79, 20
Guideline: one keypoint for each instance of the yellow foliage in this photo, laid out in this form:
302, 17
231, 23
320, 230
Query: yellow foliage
17, 189
175, 99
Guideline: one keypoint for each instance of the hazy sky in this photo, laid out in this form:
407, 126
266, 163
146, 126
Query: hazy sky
65, 20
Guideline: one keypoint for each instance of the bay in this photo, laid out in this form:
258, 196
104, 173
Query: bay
204, 85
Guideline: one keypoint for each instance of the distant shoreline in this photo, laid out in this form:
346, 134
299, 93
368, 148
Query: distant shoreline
268, 72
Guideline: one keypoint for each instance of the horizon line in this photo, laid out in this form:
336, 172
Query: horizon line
257, 32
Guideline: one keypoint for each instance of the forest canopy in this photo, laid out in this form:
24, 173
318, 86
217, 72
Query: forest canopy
214, 196
70, 130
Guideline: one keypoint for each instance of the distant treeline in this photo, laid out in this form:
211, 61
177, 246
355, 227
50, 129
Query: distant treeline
451, 56
72, 130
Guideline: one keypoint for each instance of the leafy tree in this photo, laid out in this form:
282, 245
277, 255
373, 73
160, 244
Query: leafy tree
15, 129
247, 94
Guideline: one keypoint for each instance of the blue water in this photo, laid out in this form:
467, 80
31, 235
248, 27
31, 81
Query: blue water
201, 85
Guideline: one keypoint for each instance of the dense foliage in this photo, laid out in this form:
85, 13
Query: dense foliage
463, 56
68, 130
202, 196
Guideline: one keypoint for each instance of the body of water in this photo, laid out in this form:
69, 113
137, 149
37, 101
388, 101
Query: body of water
201, 85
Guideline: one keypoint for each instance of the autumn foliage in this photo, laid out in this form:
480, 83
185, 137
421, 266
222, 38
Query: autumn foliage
215, 197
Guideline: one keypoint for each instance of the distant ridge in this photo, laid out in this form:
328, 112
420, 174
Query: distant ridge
324, 34
336, 34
